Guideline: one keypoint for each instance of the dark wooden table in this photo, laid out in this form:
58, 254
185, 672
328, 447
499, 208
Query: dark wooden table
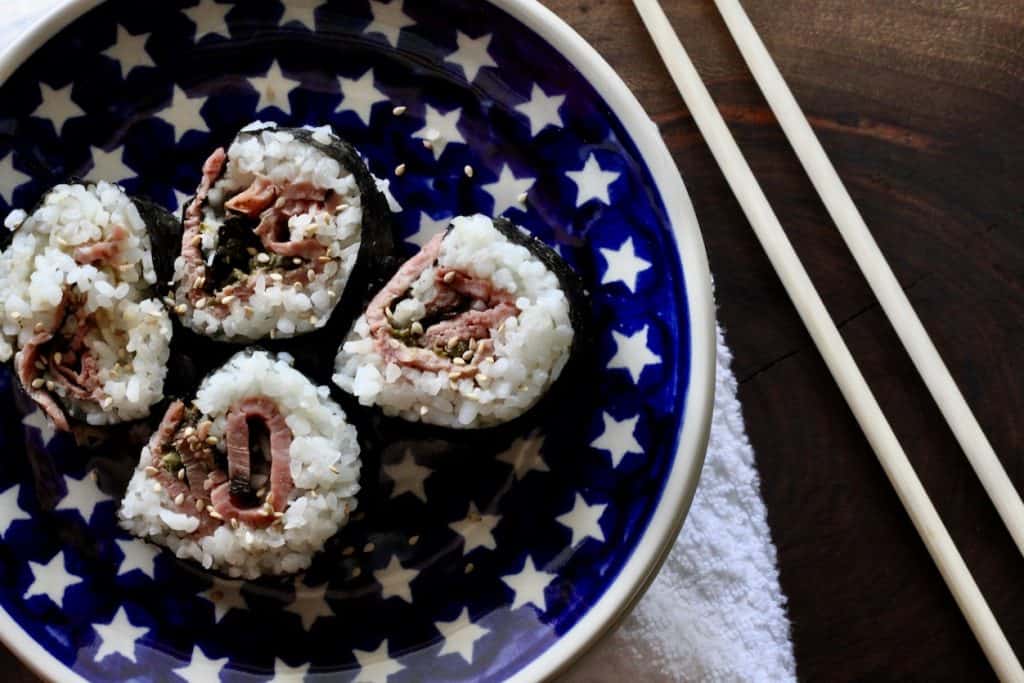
919, 104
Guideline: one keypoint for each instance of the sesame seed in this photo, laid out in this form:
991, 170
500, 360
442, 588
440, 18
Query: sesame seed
179, 499
38, 383
424, 410
262, 492
50, 385
276, 277
151, 471
180, 309
212, 440
428, 144
227, 299
200, 504
270, 498
157, 488
452, 343
368, 548
413, 540
251, 251
356, 573
310, 274
249, 310
481, 377
467, 356
449, 276
39, 327
58, 357
207, 484
181, 474
323, 259
332, 468
468, 170
296, 261
521, 198
169, 301
234, 523
278, 515
348, 551
458, 361
400, 170
399, 110
200, 281
469, 567
417, 328
197, 240
268, 509
216, 515
201, 303
189, 431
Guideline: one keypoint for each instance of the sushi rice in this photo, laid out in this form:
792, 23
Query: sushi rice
182, 512
474, 330
77, 308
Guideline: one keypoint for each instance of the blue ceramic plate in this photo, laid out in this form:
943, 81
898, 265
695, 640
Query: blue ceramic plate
503, 559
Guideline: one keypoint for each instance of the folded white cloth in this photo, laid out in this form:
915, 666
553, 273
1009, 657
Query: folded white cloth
715, 612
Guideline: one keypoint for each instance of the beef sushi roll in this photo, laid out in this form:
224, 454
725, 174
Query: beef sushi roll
274, 234
89, 337
471, 332
250, 478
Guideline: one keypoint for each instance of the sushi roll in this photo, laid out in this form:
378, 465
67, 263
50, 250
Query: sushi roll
78, 308
274, 234
471, 332
250, 478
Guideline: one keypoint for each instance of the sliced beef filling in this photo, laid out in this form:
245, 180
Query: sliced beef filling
454, 334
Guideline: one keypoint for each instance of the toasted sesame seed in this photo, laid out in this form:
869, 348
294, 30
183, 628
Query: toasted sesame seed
276, 277
467, 356
310, 274
417, 327
234, 522
481, 377
399, 110
521, 198
270, 498
39, 327
268, 509
400, 170
38, 383
449, 276
368, 548
348, 551
181, 474
424, 410
251, 251
356, 572
151, 471
469, 567
107, 402
216, 515
227, 299
180, 309
212, 440
468, 170
200, 504
169, 301
323, 259
278, 515
201, 303
197, 240
200, 281
157, 488
413, 540
179, 499
332, 468
262, 492
458, 361
428, 144
297, 261
452, 343
189, 431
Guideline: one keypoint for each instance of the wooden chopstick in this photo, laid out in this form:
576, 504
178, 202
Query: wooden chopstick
830, 344
876, 271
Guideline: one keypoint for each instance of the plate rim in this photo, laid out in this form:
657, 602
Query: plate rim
633, 579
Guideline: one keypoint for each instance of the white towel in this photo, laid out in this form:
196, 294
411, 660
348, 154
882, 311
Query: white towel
715, 612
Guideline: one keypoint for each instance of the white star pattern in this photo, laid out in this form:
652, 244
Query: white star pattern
583, 520
129, 51
592, 182
409, 477
202, 669
183, 113
388, 20
37, 419
283, 673
10, 511
477, 530
109, 166
274, 88
440, 129
427, 229
471, 54
507, 189
632, 353
359, 95
83, 495
528, 586
10, 179
51, 579
57, 106
210, 19
460, 635
118, 637
301, 11
310, 604
137, 555
224, 596
524, 455
375, 665
618, 438
623, 265
541, 110
395, 579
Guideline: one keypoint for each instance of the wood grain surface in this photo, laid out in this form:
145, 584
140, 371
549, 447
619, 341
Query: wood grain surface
919, 104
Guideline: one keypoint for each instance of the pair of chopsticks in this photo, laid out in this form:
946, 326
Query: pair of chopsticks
823, 330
